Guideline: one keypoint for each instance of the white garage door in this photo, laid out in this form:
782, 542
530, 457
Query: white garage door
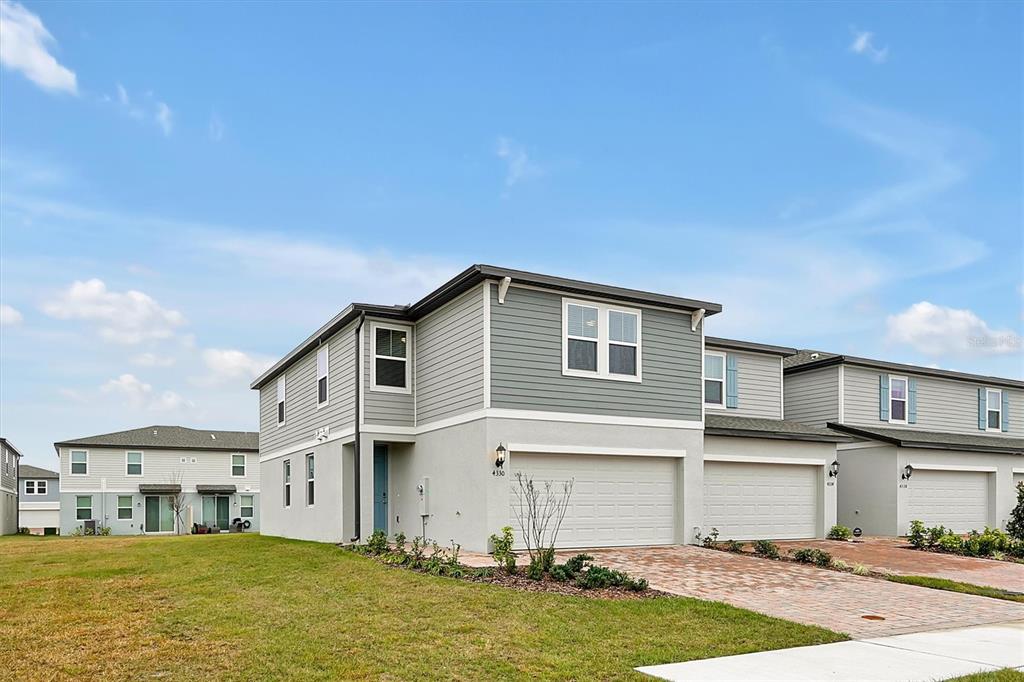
747, 501
39, 518
957, 500
616, 501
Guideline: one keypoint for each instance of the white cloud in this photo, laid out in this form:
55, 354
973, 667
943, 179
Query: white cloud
863, 44
216, 128
148, 109
24, 47
152, 360
139, 395
518, 164
129, 317
164, 117
228, 365
9, 316
938, 331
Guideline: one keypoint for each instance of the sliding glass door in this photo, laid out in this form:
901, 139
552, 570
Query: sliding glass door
217, 511
159, 514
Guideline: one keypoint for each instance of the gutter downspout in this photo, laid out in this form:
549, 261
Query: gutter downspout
357, 447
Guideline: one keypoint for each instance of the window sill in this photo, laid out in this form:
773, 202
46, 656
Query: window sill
715, 406
581, 374
390, 389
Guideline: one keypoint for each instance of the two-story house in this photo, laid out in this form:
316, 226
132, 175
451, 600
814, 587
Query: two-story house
130, 481
9, 457
39, 505
939, 446
418, 418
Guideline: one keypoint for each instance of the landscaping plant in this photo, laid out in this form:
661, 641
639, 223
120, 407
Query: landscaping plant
733, 546
839, 532
1015, 526
807, 555
708, 540
504, 556
917, 536
539, 512
766, 549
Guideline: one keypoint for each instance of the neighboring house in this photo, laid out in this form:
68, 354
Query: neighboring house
9, 457
940, 446
128, 480
39, 507
417, 418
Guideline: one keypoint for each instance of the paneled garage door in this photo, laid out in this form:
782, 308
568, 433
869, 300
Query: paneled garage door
747, 501
955, 499
616, 501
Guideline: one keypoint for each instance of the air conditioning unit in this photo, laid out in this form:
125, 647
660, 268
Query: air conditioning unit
90, 527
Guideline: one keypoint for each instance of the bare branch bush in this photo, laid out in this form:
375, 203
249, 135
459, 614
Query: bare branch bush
178, 503
540, 512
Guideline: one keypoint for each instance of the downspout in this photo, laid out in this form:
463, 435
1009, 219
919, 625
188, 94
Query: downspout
357, 447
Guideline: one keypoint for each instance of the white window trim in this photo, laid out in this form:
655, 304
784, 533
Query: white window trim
906, 399
281, 397
998, 409
142, 463
602, 340
310, 479
251, 506
286, 476
35, 486
71, 463
374, 326
90, 507
245, 464
327, 375
704, 377
130, 507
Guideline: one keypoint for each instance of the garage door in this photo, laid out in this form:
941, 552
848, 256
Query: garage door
616, 501
747, 501
955, 499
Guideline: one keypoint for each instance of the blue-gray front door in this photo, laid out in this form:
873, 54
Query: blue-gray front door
380, 487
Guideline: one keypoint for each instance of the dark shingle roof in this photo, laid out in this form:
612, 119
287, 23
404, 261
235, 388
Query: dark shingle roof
29, 471
172, 438
753, 427
735, 344
912, 438
813, 359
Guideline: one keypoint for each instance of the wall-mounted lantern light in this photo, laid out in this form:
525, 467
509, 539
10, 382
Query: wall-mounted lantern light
833, 470
499, 455
908, 471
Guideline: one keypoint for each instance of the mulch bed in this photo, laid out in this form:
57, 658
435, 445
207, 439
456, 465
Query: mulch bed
519, 581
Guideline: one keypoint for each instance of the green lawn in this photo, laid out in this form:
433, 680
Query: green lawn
1004, 675
248, 607
954, 586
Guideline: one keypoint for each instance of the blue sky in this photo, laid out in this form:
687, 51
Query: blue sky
187, 190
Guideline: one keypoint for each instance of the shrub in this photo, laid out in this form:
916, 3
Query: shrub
710, 539
417, 552
503, 554
398, 555
952, 544
840, 533
733, 546
377, 543
1015, 526
935, 534
917, 535
861, 569
808, 555
600, 576
571, 568
840, 565
766, 549
535, 571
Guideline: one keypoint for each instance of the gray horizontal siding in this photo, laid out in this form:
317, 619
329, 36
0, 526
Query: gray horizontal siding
942, 404
450, 359
381, 407
302, 418
813, 397
8, 469
526, 363
759, 384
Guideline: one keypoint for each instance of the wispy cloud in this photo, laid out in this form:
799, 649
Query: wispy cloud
144, 108
215, 128
230, 365
863, 44
24, 47
123, 317
152, 360
164, 118
518, 165
9, 316
138, 394
941, 331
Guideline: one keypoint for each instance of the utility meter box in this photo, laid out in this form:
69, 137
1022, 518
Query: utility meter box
424, 496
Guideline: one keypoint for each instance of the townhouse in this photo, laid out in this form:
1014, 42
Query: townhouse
39, 500
418, 418
132, 481
943, 447
9, 458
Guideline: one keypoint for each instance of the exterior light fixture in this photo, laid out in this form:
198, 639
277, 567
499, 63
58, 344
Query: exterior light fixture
499, 455
907, 472
833, 470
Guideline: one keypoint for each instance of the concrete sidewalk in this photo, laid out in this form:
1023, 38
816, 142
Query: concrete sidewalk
919, 657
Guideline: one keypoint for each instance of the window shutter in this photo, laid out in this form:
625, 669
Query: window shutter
732, 397
1004, 419
912, 401
982, 417
883, 397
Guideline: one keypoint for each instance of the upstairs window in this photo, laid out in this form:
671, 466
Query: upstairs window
898, 399
600, 341
238, 465
35, 487
280, 400
79, 463
994, 409
714, 379
390, 359
133, 463
321, 376
287, 483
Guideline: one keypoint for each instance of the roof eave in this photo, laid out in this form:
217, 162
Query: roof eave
749, 346
776, 435
922, 445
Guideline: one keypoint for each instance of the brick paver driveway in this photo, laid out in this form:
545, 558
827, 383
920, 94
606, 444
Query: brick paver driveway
838, 601
892, 555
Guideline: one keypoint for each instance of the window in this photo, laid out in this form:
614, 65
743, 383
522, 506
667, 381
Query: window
133, 463
390, 359
79, 463
309, 480
83, 507
898, 399
238, 465
993, 409
280, 400
246, 506
35, 487
714, 378
321, 376
287, 483
600, 341
124, 507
